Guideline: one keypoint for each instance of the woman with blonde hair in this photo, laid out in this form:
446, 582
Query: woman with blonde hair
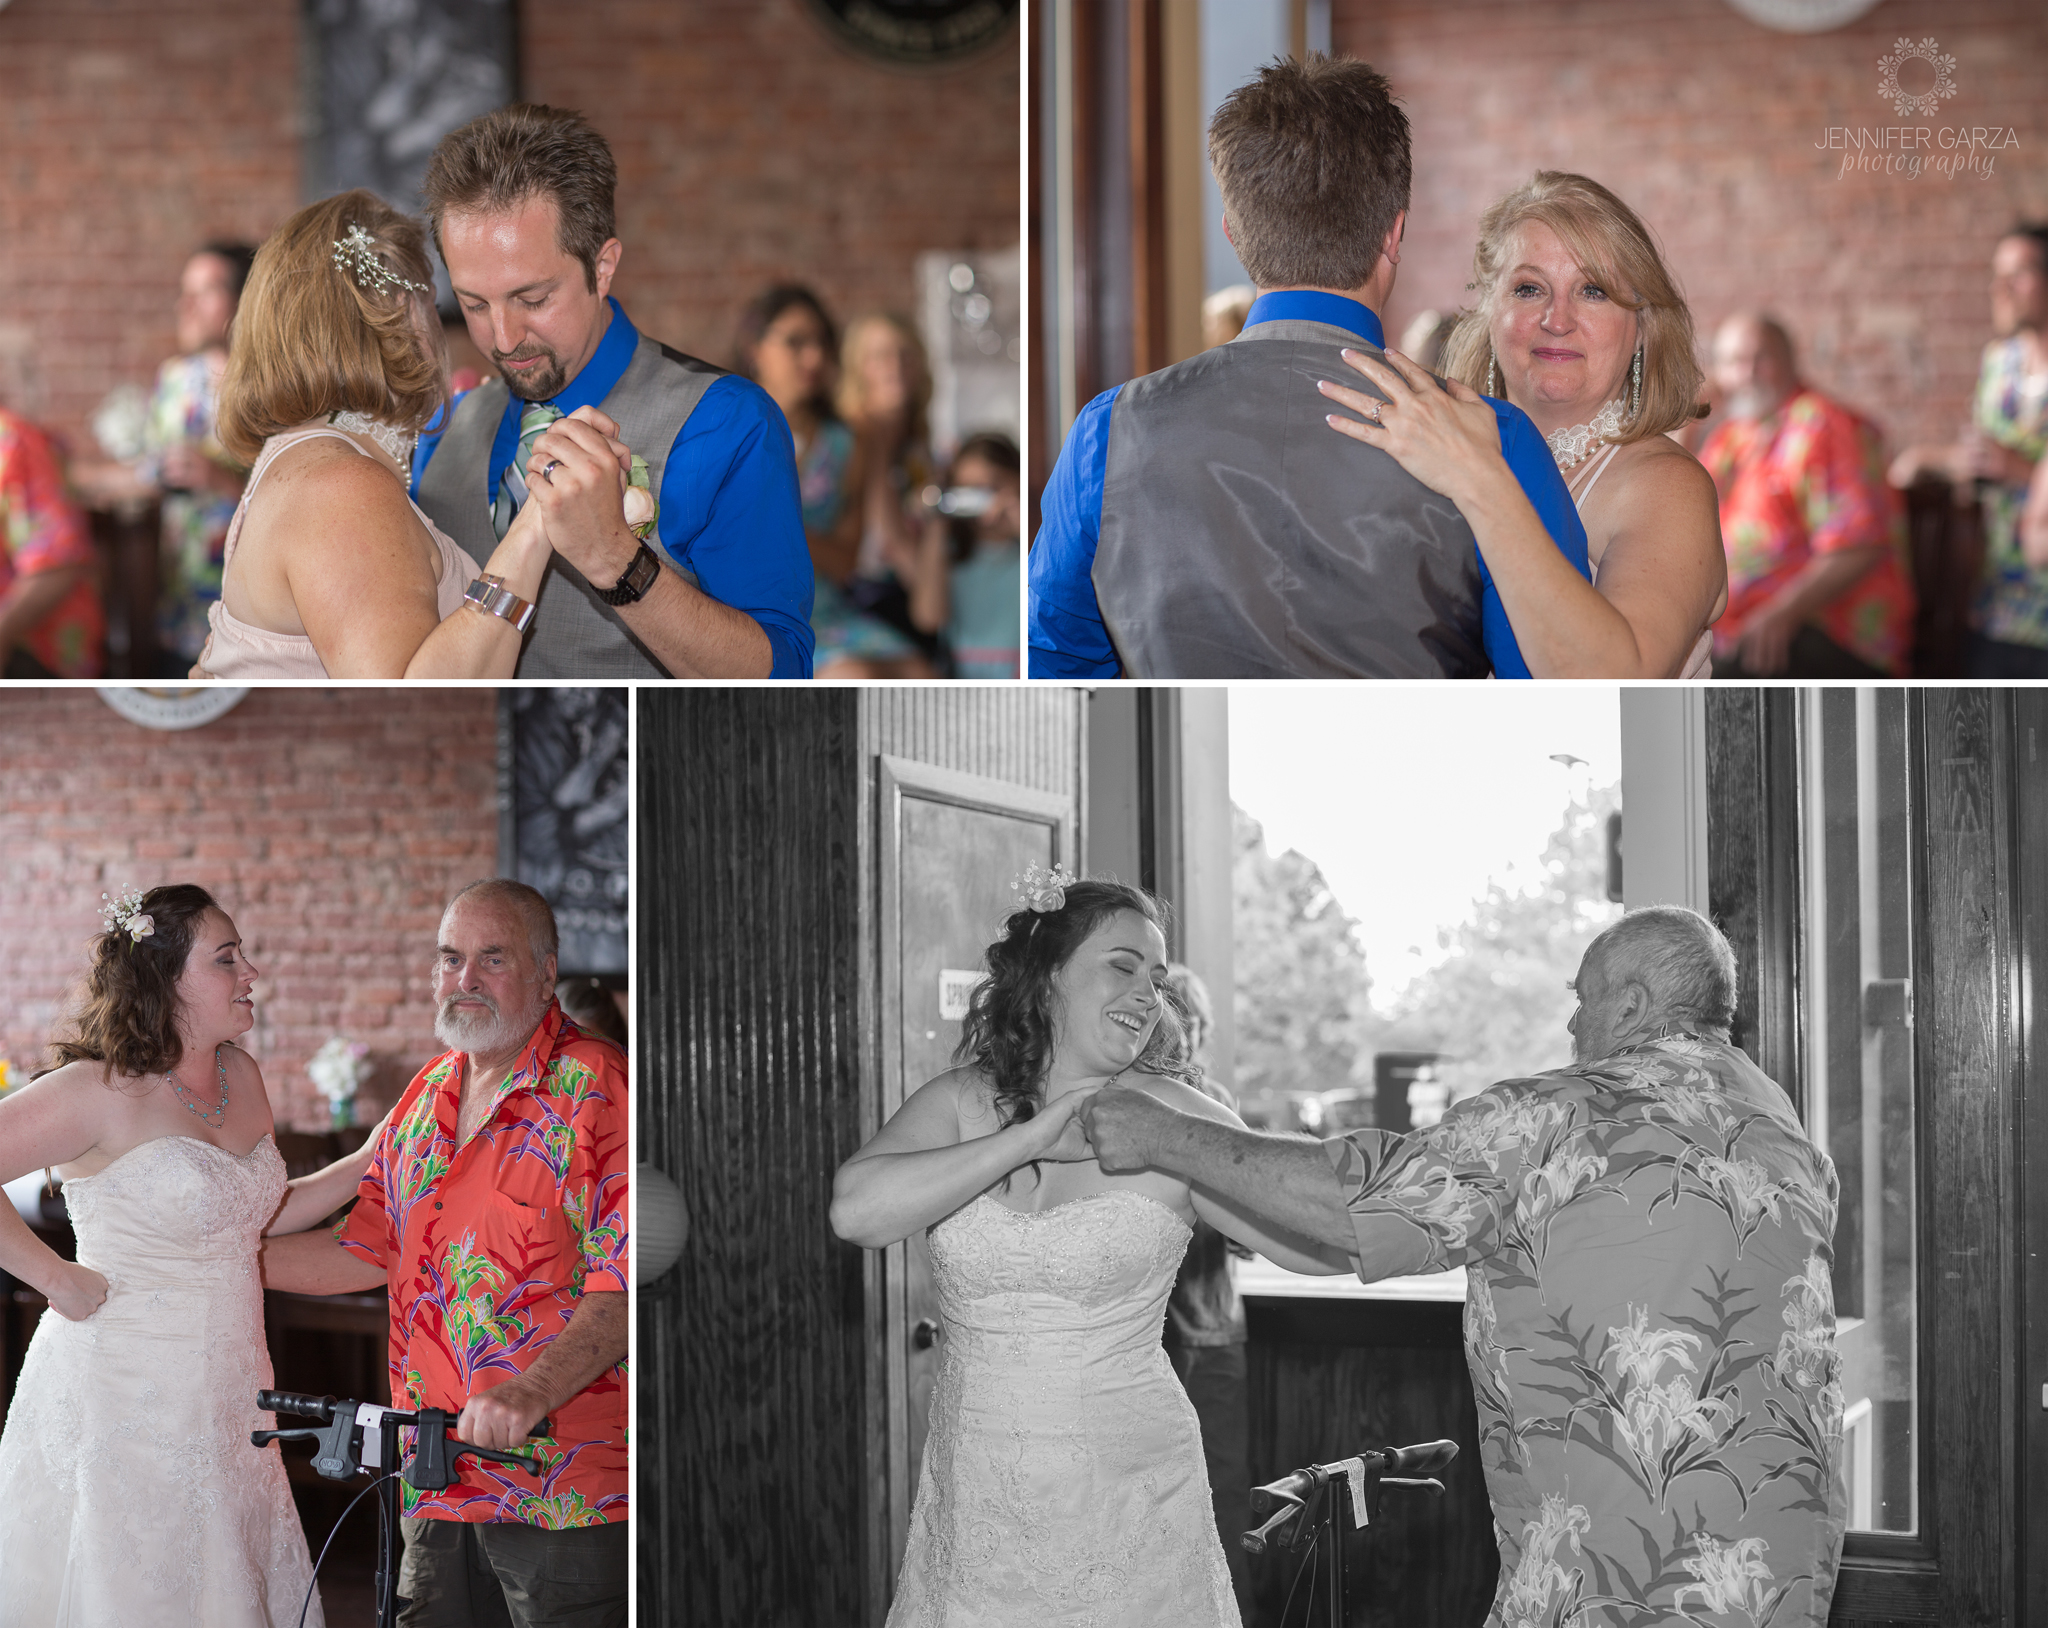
1578, 324
885, 392
335, 365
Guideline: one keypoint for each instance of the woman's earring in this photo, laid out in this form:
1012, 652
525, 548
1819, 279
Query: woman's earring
1489, 370
1635, 403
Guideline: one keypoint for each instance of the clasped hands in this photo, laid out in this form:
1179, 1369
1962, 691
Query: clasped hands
1118, 1126
576, 488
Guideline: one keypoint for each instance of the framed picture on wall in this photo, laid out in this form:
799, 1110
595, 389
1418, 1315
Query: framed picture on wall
564, 781
384, 83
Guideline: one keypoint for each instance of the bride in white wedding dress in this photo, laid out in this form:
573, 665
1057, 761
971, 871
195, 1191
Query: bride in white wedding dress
1063, 1483
129, 1492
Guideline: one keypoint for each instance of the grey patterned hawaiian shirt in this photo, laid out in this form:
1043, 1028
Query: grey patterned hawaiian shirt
1650, 1327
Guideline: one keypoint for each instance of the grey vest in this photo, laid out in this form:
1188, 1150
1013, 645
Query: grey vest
1242, 537
574, 634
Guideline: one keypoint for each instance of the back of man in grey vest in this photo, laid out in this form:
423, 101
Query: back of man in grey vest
1241, 539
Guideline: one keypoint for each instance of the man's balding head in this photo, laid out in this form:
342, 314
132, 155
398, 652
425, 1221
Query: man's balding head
1753, 365
1657, 969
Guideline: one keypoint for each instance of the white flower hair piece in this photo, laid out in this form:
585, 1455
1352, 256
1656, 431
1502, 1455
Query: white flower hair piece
1040, 890
355, 255
124, 915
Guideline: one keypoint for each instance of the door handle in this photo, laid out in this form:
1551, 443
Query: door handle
924, 1335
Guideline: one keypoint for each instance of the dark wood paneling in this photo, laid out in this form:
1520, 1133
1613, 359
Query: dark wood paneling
1330, 1378
1753, 866
1969, 1098
2030, 830
1029, 737
750, 1459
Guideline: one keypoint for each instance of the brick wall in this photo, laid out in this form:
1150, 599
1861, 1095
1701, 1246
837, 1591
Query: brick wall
1706, 124
752, 146
331, 824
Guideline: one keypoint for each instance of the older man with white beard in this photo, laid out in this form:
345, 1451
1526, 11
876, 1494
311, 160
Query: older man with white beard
1650, 1312
496, 1210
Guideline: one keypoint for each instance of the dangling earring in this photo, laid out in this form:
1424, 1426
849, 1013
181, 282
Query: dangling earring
1489, 370
1635, 399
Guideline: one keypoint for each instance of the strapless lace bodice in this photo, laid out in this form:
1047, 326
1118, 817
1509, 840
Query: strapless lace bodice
1062, 1484
129, 1492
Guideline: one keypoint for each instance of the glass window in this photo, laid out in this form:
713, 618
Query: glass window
1856, 1006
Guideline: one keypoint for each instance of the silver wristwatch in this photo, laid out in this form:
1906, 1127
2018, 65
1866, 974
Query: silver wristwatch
490, 595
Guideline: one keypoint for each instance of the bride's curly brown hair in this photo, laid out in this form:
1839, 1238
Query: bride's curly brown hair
127, 1012
1008, 1033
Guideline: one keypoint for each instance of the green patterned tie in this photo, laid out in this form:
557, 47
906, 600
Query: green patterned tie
512, 486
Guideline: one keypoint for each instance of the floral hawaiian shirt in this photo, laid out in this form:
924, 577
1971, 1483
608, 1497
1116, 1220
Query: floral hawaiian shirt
1807, 480
490, 1247
1650, 1329
40, 530
2011, 408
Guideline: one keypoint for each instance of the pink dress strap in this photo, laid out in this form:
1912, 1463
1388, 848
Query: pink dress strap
1699, 661
242, 652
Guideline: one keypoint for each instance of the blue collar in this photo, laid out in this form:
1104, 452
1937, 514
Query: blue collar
1312, 305
606, 366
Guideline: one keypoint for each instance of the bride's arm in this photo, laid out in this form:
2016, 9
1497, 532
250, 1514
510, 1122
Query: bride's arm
1653, 599
47, 1122
917, 1169
1280, 1246
309, 1200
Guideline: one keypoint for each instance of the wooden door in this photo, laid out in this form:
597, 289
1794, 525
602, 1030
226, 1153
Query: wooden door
949, 845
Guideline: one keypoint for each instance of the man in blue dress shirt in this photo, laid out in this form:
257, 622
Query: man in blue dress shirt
1204, 521
521, 205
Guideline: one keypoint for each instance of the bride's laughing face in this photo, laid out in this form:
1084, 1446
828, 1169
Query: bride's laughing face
1106, 998
216, 990
1564, 342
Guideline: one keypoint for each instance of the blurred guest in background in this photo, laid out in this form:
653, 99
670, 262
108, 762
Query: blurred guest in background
1817, 585
592, 1008
1223, 314
885, 390
788, 347
1426, 335
1206, 1333
51, 624
184, 464
970, 572
1998, 451
2034, 521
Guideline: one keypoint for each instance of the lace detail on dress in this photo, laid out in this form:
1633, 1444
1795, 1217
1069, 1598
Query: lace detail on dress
1063, 1483
1570, 447
130, 1490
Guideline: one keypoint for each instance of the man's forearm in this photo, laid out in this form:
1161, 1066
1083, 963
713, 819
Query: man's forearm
33, 597
1823, 580
1282, 1178
593, 1343
694, 636
313, 1263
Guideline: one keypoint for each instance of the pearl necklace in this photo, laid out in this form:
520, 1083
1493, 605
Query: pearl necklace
1573, 446
220, 1108
398, 443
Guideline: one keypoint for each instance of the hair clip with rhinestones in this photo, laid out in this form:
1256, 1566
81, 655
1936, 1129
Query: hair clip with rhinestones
355, 255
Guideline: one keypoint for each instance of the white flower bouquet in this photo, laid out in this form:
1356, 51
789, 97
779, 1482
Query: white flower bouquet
338, 1070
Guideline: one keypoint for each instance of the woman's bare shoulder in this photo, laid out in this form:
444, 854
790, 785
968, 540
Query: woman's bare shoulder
1189, 1099
1659, 468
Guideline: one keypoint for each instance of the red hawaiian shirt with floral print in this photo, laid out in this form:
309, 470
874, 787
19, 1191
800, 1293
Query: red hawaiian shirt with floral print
1807, 480
41, 529
490, 1247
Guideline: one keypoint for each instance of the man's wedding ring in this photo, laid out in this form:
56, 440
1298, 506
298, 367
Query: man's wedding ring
548, 471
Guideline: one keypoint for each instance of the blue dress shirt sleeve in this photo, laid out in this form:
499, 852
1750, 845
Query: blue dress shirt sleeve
1065, 628
1535, 470
731, 517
